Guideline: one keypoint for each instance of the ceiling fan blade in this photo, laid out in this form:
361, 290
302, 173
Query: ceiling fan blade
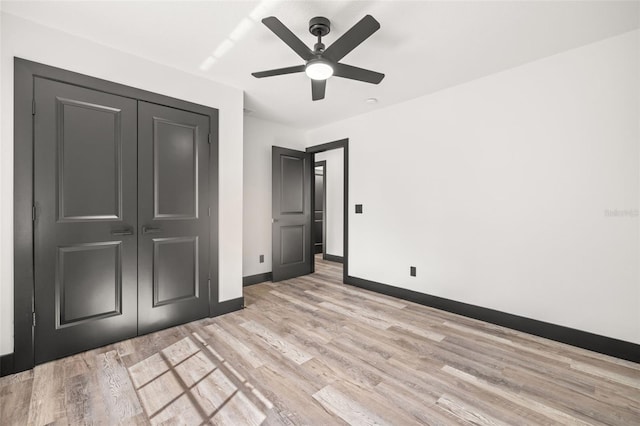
355, 73
317, 89
352, 38
278, 71
288, 37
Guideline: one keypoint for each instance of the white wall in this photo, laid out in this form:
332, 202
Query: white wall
335, 200
497, 190
34, 42
259, 136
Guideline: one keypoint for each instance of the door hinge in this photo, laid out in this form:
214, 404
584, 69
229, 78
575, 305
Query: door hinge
33, 315
209, 212
33, 107
33, 213
209, 139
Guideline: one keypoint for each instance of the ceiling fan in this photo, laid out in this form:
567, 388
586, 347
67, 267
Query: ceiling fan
321, 63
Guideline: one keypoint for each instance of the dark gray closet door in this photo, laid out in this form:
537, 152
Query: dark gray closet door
173, 216
291, 205
85, 198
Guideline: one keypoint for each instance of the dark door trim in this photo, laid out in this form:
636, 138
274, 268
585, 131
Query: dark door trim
24, 73
342, 143
322, 164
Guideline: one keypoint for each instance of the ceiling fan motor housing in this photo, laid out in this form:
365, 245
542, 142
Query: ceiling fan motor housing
319, 26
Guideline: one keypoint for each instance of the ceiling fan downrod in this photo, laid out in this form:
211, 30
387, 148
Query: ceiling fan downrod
319, 27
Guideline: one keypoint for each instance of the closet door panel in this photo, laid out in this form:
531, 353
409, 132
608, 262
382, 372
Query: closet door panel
85, 196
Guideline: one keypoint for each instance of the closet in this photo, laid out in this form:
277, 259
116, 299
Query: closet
122, 223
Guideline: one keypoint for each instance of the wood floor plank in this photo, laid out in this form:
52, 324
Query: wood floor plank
83, 400
546, 409
292, 405
160, 395
48, 398
238, 410
364, 294
375, 317
420, 405
631, 378
249, 355
467, 412
15, 378
290, 351
589, 408
148, 370
346, 408
294, 300
374, 322
15, 399
116, 387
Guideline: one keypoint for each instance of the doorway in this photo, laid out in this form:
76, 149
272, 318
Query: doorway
293, 211
335, 215
319, 206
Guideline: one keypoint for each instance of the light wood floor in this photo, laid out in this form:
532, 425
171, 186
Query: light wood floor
313, 351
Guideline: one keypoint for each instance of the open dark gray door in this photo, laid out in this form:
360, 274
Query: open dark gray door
86, 215
173, 196
291, 205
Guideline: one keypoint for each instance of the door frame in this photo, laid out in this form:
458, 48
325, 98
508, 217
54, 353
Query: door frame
322, 164
25, 71
341, 143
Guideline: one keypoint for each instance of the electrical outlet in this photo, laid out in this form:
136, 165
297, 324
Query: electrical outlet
412, 271
262, 258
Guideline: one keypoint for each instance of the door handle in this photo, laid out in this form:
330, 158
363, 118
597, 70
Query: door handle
150, 230
122, 233
274, 220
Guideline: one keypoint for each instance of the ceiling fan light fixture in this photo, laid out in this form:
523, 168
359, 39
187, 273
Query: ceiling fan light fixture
318, 69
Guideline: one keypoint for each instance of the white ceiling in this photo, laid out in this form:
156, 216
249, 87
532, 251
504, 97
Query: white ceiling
422, 46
